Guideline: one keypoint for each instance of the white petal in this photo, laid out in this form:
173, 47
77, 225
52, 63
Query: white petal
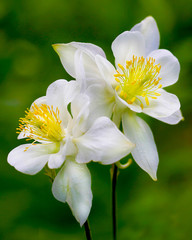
126, 45
107, 70
22, 135
73, 185
79, 106
80, 70
145, 152
170, 66
55, 160
173, 119
62, 91
148, 27
134, 106
80, 112
31, 160
102, 100
88, 64
67, 53
164, 106
119, 108
66, 149
39, 101
103, 142
69, 149
117, 116
59, 94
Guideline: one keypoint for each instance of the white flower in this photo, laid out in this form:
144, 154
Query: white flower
135, 85
67, 139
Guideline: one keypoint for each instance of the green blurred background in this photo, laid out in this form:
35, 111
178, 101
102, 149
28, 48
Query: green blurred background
146, 209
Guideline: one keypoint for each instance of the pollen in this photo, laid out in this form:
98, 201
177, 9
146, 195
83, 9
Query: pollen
42, 124
138, 81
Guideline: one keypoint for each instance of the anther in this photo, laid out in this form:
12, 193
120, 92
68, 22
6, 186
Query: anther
147, 100
133, 99
125, 95
122, 68
121, 93
117, 75
117, 88
129, 102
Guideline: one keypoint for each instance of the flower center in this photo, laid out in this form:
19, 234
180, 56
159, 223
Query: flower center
138, 80
42, 124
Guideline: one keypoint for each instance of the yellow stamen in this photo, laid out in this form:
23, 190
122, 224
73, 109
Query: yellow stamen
121, 93
138, 80
133, 99
120, 66
42, 123
147, 100
117, 88
118, 75
129, 102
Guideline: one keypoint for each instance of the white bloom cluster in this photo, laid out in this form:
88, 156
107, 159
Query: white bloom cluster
78, 121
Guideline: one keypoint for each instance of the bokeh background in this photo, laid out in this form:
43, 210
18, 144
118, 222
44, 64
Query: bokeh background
28, 64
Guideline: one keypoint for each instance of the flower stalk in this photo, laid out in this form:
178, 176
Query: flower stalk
87, 230
114, 216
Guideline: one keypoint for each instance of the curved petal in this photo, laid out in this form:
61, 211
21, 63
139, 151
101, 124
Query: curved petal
107, 70
80, 113
148, 27
134, 106
117, 116
164, 106
73, 185
172, 119
170, 66
56, 160
62, 91
102, 101
87, 71
59, 94
80, 70
28, 158
39, 101
67, 53
103, 142
126, 45
145, 152
66, 149
79, 107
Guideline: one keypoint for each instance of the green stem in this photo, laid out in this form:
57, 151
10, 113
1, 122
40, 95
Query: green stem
87, 230
114, 217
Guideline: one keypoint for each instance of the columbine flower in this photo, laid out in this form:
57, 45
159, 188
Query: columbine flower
135, 85
68, 139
